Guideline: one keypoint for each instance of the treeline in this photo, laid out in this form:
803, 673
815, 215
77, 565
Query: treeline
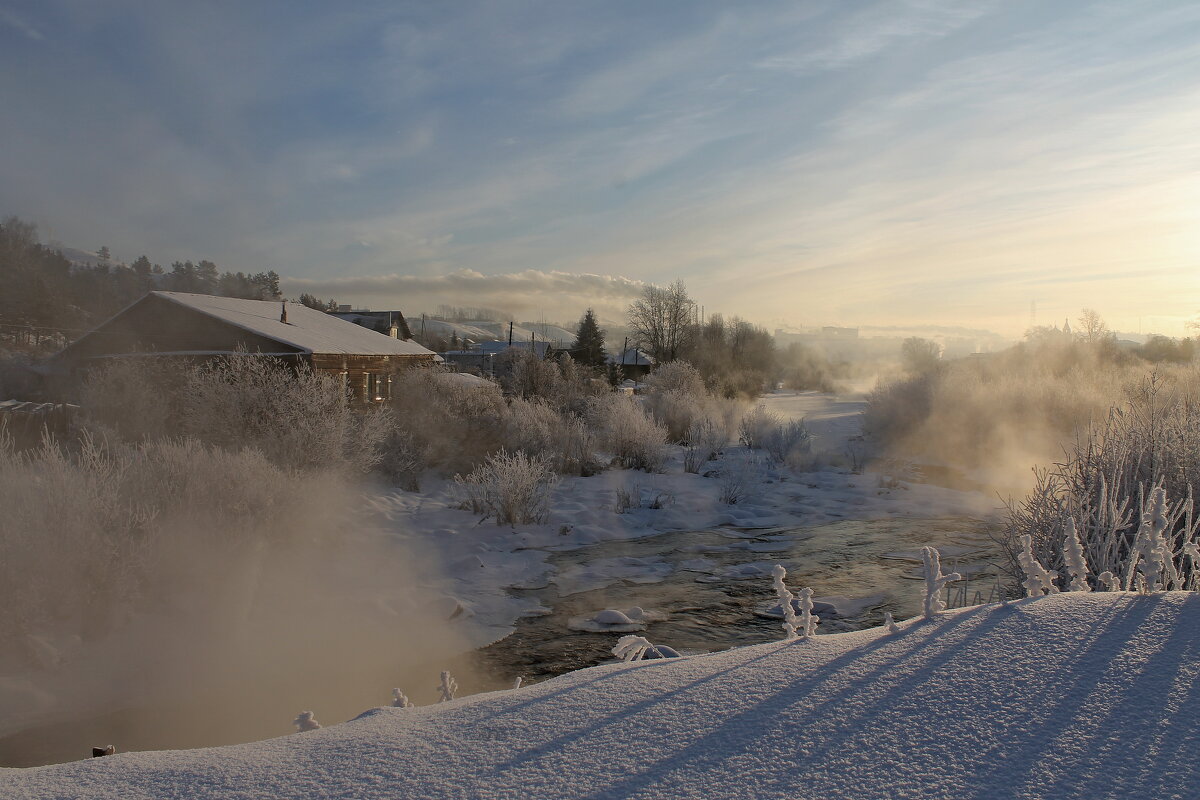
45, 299
734, 357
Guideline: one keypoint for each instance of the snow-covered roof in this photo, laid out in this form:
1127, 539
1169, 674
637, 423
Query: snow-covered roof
306, 328
1072, 695
632, 358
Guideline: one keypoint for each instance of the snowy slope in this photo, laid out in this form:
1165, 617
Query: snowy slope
1070, 696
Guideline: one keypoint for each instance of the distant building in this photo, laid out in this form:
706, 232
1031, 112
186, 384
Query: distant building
196, 327
634, 363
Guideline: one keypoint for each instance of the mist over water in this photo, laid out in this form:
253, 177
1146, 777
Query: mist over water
244, 595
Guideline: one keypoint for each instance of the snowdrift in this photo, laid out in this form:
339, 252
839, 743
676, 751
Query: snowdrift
1067, 696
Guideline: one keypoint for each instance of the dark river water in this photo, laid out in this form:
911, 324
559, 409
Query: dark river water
867, 567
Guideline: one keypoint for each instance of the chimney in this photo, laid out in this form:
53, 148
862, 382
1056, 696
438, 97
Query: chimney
283, 313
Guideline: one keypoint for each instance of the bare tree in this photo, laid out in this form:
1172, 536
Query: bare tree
663, 320
1092, 328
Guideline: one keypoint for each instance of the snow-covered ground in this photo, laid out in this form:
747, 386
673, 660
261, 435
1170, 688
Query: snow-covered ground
1069, 696
480, 561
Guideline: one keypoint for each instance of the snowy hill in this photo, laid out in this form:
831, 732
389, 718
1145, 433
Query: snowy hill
1069, 696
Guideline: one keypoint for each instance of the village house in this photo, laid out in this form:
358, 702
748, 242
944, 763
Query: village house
198, 326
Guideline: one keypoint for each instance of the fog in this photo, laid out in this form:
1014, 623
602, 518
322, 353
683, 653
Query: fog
171, 595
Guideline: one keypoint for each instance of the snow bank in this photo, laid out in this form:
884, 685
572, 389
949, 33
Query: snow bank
1069, 696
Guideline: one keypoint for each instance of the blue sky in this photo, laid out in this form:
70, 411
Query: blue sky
800, 163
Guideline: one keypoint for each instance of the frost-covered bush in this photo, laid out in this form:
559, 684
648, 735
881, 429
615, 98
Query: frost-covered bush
306, 721
1038, 580
808, 620
636, 496
453, 425
791, 623
1074, 557
511, 488
786, 442
625, 431
447, 687
89, 537
635, 648
131, 399
1150, 555
935, 581
537, 428
1106, 484
756, 427
790, 443
400, 700
523, 373
676, 376
740, 476
675, 395
298, 418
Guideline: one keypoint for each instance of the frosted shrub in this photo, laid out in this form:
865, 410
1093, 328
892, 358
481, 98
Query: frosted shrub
789, 443
757, 426
790, 622
935, 581
562, 437
624, 430
739, 479
512, 488
676, 397
306, 722
125, 524
635, 648
447, 687
1106, 485
400, 700
528, 375
1150, 555
296, 417
453, 426
402, 458
1038, 580
889, 622
1073, 555
130, 399
676, 376
808, 620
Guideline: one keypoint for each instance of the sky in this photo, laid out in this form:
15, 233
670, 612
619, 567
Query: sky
975, 164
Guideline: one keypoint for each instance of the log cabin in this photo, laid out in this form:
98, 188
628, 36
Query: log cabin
198, 326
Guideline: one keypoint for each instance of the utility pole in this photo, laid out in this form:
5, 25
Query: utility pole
510, 333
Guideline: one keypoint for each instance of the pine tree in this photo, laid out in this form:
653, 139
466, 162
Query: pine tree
588, 348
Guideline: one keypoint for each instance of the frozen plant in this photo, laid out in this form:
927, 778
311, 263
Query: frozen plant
448, 687
306, 722
790, 621
1073, 555
738, 479
808, 620
1038, 579
400, 700
512, 488
935, 581
1110, 582
890, 623
517, 683
634, 648
1150, 548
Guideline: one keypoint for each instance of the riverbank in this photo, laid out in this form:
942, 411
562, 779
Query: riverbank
960, 706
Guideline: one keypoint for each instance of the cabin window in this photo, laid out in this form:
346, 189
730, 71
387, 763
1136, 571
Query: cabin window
373, 386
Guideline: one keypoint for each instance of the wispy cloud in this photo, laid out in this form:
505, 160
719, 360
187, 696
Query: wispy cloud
559, 292
814, 162
9, 18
